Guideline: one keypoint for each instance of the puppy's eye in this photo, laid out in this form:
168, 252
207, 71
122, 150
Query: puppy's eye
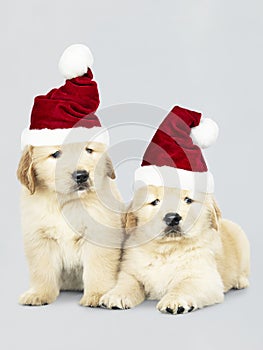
155, 202
188, 200
56, 154
89, 150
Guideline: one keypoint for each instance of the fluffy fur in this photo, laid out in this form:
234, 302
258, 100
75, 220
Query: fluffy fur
184, 267
70, 232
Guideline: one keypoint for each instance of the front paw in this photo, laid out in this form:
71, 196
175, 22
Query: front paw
169, 304
116, 301
33, 298
90, 299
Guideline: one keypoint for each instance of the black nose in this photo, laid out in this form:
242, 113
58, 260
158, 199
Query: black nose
80, 176
172, 219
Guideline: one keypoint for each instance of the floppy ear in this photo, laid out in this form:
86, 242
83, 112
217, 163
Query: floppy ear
131, 221
109, 168
25, 172
215, 215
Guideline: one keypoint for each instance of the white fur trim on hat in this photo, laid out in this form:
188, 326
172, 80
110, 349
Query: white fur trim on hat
75, 61
173, 177
205, 134
48, 137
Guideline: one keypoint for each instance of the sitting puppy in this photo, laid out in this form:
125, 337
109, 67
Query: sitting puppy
189, 263
71, 209
70, 234
178, 248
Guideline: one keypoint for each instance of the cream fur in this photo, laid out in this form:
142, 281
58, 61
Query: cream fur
185, 271
71, 238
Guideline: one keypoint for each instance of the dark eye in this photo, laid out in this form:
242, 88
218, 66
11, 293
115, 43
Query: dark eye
89, 150
56, 154
188, 200
155, 202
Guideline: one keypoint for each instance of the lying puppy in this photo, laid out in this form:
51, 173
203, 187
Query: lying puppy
190, 258
67, 221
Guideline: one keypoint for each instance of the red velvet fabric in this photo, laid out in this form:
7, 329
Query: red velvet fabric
172, 145
73, 104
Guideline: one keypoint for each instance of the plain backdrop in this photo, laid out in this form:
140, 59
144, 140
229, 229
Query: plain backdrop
201, 54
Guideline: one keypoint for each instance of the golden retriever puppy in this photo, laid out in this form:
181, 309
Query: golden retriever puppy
178, 251
71, 221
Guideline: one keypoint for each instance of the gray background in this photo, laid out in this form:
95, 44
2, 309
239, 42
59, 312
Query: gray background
205, 55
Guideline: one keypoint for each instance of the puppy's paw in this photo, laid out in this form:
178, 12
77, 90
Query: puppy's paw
116, 301
37, 298
242, 283
90, 299
176, 306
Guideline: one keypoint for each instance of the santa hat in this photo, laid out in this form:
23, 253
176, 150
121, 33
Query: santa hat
67, 114
174, 158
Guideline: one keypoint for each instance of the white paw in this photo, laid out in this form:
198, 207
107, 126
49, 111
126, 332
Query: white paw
115, 301
176, 306
243, 282
90, 299
37, 298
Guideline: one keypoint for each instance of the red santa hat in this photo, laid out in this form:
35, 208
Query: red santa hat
67, 114
174, 158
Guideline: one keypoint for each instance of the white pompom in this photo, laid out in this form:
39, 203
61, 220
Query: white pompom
75, 61
205, 134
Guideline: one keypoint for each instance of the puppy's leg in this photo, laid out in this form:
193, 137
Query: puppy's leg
234, 263
126, 294
100, 266
242, 283
192, 293
44, 267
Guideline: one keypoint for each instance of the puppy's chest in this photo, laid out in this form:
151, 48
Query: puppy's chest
69, 236
158, 273
69, 243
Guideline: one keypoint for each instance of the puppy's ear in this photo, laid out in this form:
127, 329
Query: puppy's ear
25, 172
215, 215
131, 222
109, 168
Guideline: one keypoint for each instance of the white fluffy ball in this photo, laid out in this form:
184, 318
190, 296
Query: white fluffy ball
205, 134
75, 61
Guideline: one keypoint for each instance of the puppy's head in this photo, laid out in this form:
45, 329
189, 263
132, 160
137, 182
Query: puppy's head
65, 169
169, 213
